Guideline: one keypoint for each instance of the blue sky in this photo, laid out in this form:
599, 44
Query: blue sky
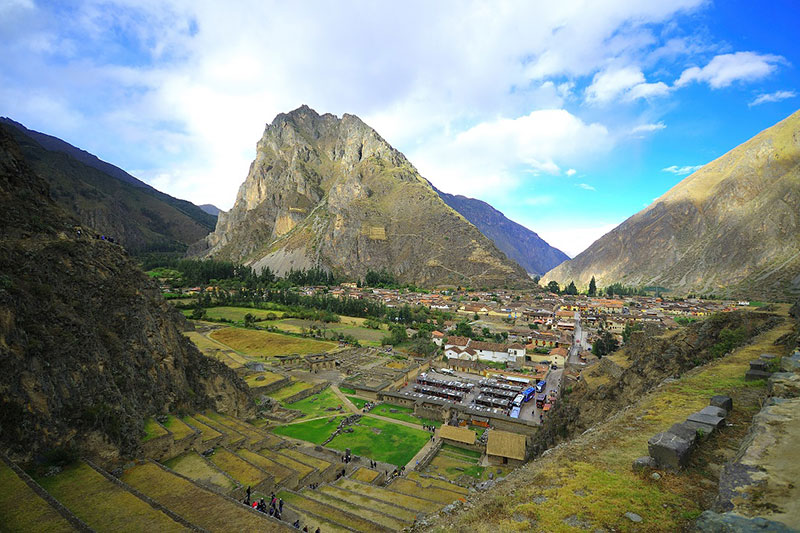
568, 117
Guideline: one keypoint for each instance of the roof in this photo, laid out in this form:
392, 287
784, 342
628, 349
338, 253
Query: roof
488, 346
457, 341
437, 333
458, 434
506, 444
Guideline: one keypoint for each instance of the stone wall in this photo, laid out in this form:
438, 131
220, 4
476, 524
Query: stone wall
303, 394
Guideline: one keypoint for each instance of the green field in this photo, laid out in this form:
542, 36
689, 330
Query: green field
348, 326
316, 405
383, 441
290, 390
315, 431
358, 402
265, 344
236, 314
403, 413
21, 509
269, 377
152, 430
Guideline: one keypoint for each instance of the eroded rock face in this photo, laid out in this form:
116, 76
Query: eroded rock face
331, 193
88, 345
732, 227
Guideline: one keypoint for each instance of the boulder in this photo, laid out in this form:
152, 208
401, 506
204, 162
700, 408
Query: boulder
669, 450
711, 522
791, 363
714, 411
724, 402
784, 385
642, 463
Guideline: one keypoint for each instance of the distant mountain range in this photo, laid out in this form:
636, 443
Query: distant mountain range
210, 209
731, 228
329, 192
110, 200
516, 241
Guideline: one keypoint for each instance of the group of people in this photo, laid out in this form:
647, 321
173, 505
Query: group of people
296, 525
275, 508
367, 407
373, 464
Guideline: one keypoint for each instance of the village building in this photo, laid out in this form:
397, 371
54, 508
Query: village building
506, 448
457, 436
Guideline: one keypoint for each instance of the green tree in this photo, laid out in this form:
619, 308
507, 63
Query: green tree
592, 287
630, 328
605, 344
249, 320
198, 313
571, 288
463, 329
553, 287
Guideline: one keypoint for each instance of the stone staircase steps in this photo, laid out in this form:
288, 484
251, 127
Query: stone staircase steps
104, 505
25, 506
332, 514
368, 512
204, 507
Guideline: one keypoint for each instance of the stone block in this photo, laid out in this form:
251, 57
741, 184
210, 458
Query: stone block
754, 375
684, 431
643, 463
758, 364
722, 401
715, 421
714, 411
767, 357
669, 450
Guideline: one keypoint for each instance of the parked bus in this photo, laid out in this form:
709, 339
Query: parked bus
514, 412
540, 399
541, 386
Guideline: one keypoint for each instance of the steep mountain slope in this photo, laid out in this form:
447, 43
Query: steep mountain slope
110, 200
210, 209
88, 346
330, 192
732, 227
516, 241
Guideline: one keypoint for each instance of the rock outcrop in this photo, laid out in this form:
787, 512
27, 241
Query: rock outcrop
731, 228
329, 192
516, 241
88, 346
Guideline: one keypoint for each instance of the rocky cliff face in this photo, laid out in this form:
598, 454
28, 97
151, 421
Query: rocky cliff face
108, 199
88, 346
516, 241
730, 228
331, 193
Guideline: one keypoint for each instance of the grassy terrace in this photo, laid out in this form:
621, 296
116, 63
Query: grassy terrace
178, 427
400, 513
367, 511
290, 390
224, 422
438, 483
317, 405
216, 350
208, 433
152, 430
103, 505
315, 462
599, 463
382, 441
277, 471
365, 475
301, 468
327, 512
237, 468
234, 436
23, 510
266, 344
395, 498
253, 380
199, 506
314, 431
191, 465
403, 413
436, 494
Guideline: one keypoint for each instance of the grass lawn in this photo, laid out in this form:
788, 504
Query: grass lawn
266, 344
347, 390
314, 431
439, 495
383, 441
348, 326
103, 505
358, 402
364, 501
152, 430
216, 350
403, 413
191, 465
178, 428
237, 468
207, 432
269, 377
21, 509
395, 498
290, 390
317, 405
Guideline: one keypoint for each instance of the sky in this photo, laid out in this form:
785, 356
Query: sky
567, 116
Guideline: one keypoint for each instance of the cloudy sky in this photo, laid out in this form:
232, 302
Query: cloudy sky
568, 116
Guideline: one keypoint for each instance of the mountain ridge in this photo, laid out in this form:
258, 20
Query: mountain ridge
730, 228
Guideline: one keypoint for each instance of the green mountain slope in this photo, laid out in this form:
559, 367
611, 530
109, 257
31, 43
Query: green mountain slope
732, 228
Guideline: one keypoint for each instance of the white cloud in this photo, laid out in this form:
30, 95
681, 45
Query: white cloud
627, 83
586, 186
495, 153
682, 171
573, 239
648, 128
777, 96
726, 69
570, 172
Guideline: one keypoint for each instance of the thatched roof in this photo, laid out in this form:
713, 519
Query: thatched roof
458, 434
506, 444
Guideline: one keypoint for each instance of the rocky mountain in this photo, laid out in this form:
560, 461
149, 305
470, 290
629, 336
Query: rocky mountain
731, 228
89, 347
516, 241
110, 200
329, 192
210, 209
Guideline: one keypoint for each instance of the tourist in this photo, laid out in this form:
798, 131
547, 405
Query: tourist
296, 524
248, 492
280, 505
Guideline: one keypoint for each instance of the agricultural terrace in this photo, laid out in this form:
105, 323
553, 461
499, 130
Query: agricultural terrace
452, 463
315, 431
347, 326
216, 350
23, 510
402, 413
236, 314
265, 344
290, 390
262, 379
382, 441
321, 404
